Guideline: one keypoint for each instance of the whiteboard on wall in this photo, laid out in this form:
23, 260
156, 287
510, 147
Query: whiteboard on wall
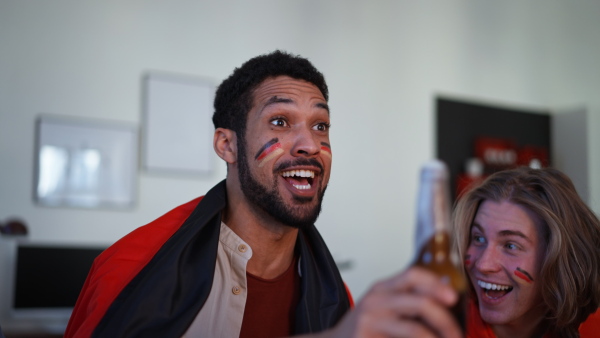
177, 124
85, 163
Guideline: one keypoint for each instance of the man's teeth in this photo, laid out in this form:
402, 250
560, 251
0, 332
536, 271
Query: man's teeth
299, 173
490, 286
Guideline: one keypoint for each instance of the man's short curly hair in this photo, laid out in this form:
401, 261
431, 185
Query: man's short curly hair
233, 99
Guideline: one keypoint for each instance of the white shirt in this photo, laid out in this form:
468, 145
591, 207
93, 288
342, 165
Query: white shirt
223, 312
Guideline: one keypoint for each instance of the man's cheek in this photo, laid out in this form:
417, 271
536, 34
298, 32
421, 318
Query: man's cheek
326, 149
268, 151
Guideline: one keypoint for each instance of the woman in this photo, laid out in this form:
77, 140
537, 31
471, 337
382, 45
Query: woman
531, 250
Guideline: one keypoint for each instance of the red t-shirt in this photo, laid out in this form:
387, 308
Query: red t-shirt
271, 304
477, 328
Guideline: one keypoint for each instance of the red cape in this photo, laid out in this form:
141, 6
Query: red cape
118, 265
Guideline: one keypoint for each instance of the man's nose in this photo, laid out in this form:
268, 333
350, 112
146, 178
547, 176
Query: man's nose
305, 143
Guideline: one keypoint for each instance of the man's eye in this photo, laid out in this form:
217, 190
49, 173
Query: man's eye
511, 246
279, 122
322, 126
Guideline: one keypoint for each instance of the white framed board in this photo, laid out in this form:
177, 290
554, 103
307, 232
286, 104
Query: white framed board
85, 163
177, 124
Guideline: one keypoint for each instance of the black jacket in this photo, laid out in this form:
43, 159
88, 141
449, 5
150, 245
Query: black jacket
167, 294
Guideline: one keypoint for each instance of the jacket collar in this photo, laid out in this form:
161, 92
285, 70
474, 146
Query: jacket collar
167, 294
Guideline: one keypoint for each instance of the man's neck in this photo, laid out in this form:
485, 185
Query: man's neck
272, 251
272, 243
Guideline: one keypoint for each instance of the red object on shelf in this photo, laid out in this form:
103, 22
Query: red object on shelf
496, 153
529, 154
465, 182
473, 176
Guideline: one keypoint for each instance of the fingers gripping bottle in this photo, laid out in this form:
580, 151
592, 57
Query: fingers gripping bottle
433, 237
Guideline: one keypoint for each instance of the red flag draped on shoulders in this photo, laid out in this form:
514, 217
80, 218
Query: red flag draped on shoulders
118, 265
477, 328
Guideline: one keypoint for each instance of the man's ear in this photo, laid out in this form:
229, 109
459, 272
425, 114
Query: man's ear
225, 144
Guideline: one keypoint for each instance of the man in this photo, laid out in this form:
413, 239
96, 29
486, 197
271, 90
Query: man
246, 259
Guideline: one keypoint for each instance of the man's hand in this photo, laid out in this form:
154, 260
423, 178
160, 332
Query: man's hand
412, 304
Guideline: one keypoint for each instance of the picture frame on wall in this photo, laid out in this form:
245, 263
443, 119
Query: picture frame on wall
85, 163
177, 127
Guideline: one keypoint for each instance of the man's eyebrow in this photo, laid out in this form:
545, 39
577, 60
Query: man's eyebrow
275, 99
323, 105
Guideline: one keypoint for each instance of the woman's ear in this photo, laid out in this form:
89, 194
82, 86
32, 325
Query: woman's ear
225, 144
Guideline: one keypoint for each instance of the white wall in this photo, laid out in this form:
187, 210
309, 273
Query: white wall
384, 61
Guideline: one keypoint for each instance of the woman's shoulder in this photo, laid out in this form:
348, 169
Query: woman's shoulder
591, 326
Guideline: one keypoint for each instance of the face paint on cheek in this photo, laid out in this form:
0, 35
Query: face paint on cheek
268, 152
326, 149
523, 276
468, 261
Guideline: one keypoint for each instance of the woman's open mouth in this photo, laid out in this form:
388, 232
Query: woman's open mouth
494, 291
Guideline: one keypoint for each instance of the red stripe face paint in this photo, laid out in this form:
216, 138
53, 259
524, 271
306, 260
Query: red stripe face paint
326, 149
468, 261
523, 276
268, 152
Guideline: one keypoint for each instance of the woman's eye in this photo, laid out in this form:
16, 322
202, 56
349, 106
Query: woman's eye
478, 239
278, 122
511, 246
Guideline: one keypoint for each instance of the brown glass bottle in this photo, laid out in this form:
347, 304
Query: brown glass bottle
433, 239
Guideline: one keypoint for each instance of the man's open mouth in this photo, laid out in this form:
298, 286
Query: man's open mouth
494, 291
300, 179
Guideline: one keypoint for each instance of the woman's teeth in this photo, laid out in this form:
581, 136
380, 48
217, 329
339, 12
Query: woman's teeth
490, 286
494, 291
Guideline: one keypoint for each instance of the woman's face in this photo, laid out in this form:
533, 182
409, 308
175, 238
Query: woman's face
503, 261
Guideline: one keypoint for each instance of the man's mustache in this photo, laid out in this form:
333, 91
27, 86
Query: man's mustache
299, 162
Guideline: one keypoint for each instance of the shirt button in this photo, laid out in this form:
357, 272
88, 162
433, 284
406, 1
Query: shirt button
236, 290
242, 248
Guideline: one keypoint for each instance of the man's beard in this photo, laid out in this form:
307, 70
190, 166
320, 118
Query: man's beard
271, 201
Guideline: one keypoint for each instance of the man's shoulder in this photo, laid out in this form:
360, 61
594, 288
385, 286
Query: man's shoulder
143, 242
119, 264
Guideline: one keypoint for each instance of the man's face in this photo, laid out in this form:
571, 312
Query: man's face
285, 163
503, 261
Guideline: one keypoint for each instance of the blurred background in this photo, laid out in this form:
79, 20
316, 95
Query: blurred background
386, 64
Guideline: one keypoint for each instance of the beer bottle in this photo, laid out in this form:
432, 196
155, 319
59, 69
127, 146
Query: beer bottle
433, 237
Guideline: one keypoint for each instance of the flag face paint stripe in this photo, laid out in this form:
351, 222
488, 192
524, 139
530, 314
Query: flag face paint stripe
326, 148
467, 260
524, 275
266, 149
268, 152
273, 152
